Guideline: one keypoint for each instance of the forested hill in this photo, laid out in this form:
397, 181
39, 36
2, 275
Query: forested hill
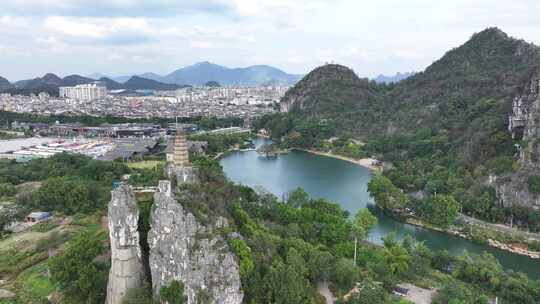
468, 93
445, 130
327, 91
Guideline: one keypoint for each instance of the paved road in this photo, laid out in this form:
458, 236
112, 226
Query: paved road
500, 227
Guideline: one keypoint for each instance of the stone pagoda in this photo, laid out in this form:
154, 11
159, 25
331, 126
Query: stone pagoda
180, 150
179, 168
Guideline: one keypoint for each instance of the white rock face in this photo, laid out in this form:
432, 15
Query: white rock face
183, 250
523, 123
181, 175
126, 260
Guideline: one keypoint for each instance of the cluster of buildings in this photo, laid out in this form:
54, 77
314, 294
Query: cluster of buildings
124, 141
120, 130
260, 95
26, 149
95, 100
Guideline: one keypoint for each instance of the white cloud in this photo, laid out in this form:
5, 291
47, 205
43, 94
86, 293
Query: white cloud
202, 45
119, 36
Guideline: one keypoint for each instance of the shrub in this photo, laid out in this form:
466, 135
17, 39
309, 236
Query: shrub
173, 294
533, 183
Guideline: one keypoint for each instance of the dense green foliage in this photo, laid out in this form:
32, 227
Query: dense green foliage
60, 165
386, 195
6, 136
363, 222
141, 295
455, 292
533, 182
205, 123
79, 277
173, 294
70, 183
7, 189
68, 195
441, 210
243, 252
222, 142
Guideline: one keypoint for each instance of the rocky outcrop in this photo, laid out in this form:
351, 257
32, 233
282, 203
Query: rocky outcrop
524, 124
181, 175
6, 294
126, 259
183, 250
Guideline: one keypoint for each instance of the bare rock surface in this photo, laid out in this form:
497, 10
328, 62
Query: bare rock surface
126, 257
183, 250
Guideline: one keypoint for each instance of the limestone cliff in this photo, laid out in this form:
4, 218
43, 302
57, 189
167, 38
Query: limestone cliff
524, 123
126, 260
183, 250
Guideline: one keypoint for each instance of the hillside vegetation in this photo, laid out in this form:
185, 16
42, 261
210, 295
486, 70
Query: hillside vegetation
444, 130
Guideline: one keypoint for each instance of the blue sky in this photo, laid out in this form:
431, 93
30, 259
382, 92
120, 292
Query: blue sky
117, 37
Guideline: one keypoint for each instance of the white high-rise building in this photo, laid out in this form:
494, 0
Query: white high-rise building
90, 91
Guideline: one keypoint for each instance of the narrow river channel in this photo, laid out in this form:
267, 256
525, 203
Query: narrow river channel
346, 184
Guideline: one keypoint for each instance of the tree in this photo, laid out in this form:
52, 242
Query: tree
420, 263
243, 252
369, 292
484, 270
65, 194
7, 189
517, 288
362, 223
76, 273
455, 292
386, 194
345, 274
298, 198
533, 183
441, 210
396, 256
284, 284
320, 264
209, 170
173, 294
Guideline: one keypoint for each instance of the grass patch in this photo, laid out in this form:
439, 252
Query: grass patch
45, 226
34, 282
146, 164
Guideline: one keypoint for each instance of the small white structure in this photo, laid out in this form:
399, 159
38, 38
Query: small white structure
38, 217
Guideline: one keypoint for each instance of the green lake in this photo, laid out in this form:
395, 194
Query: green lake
346, 184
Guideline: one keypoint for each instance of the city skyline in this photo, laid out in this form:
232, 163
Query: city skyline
132, 37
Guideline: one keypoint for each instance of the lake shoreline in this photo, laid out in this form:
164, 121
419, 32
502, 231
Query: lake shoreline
236, 170
490, 242
368, 163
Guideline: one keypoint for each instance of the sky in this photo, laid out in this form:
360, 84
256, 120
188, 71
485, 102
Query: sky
124, 37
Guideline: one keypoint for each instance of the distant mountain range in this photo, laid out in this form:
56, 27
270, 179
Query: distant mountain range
393, 79
50, 83
194, 75
203, 72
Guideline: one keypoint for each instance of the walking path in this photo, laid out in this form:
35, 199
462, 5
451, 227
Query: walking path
326, 293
